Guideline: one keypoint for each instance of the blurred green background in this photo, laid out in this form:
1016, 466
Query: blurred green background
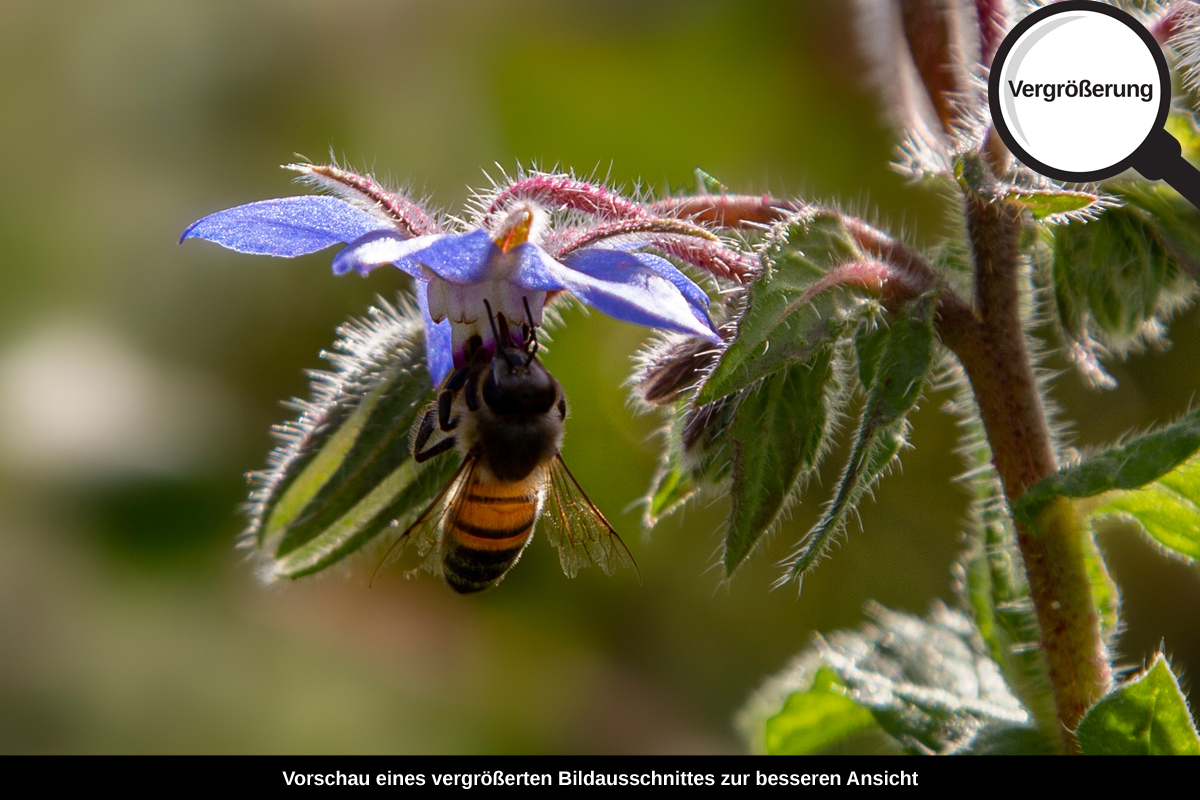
139, 379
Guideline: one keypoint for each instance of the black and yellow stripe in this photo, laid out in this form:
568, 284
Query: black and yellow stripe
486, 532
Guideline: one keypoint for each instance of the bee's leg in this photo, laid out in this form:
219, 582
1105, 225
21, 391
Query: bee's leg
446, 399
472, 392
423, 433
439, 448
445, 403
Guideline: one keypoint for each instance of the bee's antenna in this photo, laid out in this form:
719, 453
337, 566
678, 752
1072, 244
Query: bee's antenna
500, 346
532, 340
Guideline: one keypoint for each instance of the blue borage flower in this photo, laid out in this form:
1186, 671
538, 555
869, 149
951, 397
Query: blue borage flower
527, 241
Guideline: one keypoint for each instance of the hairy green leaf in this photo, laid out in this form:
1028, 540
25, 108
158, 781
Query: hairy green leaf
1114, 267
696, 455
1115, 275
1176, 223
345, 471
1105, 593
791, 312
399, 496
1148, 715
870, 340
1128, 466
707, 184
670, 489
1167, 510
897, 363
816, 718
779, 431
929, 683
1043, 203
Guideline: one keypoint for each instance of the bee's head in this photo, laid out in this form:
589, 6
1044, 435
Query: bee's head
517, 383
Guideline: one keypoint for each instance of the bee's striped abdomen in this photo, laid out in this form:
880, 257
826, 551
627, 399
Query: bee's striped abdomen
487, 531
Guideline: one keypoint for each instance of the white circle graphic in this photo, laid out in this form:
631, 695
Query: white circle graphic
1080, 91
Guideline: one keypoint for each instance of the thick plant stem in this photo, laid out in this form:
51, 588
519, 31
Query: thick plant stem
997, 363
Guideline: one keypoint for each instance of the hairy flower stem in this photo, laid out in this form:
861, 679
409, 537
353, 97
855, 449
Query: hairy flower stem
999, 368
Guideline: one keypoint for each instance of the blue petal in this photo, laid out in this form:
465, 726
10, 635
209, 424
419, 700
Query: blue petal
609, 265
287, 226
439, 355
535, 269
463, 258
618, 284
382, 247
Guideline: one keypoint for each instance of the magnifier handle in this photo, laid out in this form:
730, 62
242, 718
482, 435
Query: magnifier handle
1161, 158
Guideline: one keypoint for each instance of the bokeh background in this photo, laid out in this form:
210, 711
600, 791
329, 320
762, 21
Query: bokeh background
139, 378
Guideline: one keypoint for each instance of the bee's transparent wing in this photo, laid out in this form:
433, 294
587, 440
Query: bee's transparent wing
426, 531
577, 528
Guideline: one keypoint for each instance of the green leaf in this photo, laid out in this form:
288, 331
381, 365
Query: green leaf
408, 489
1114, 267
1148, 715
790, 314
1115, 275
345, 471
897, 375
1176, 223
1131, 465
816, 718
1043, 203
1105, 593
707, 184
1167, 511
670, 489
696, 455
869, 343
929, 683
1152, 481
779, 431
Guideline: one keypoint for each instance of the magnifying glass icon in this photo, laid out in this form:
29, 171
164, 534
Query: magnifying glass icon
1080, 91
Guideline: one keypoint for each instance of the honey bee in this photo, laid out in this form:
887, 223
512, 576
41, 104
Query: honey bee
504, 413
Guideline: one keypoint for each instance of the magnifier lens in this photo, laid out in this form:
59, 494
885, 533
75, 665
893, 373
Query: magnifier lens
1080, 91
